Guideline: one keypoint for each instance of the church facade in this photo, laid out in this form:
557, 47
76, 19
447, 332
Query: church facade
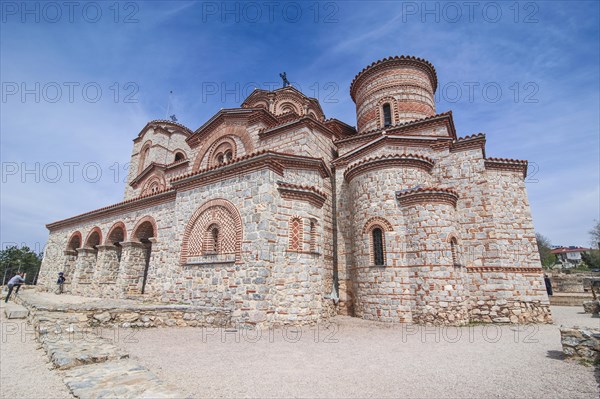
282, 216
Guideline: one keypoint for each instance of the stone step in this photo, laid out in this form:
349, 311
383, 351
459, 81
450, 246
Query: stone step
68, 350
568, 299
14, 311
117, 379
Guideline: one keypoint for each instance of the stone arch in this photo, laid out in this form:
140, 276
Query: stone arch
180, 155
239, 133
376, 227
377, 221
221, 148
94, 238
215, 212
454, 250
393, 108
144, 229
117, 233
154, 184
287, 106
75, 241
143, 155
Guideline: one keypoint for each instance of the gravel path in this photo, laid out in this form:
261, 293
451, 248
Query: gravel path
25, 371
364, 359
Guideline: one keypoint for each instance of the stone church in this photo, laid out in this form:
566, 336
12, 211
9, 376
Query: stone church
283, 216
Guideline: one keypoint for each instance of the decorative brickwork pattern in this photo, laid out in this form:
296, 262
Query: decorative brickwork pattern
215, 227
296, 231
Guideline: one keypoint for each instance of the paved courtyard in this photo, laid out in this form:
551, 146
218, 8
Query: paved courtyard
347, 358
355, 359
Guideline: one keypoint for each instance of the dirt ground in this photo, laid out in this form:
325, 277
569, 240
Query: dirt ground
354, 358
346, 358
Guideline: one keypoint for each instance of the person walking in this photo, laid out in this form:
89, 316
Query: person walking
16, 281
60, 282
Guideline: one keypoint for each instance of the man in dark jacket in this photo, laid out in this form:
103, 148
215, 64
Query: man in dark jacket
60, 282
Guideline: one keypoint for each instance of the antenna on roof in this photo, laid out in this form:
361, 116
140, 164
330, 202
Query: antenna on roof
173, 118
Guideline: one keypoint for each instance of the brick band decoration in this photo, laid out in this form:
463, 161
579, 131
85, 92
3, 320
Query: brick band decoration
427, 196
299, 192
512, 165
388, 161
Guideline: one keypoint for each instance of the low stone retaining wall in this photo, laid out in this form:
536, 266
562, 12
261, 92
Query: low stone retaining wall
592, 307
572, 283
515, 312
72, 317
581, 344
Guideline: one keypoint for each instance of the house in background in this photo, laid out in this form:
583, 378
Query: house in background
569, 257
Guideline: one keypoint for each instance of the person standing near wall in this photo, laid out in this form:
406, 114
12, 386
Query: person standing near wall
60, 282
16, 281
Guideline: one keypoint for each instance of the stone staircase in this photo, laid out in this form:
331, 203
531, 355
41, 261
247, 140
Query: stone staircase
93, 366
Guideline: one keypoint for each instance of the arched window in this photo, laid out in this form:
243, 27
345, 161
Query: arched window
228, 156
387, 115
454, 250
214, 242
144, 156
378, 253
179, 156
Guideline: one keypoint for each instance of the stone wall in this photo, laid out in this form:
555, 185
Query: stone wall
581, 344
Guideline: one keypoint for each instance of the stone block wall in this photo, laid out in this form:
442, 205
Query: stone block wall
581, 344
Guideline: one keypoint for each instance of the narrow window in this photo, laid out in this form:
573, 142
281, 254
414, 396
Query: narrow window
295, 235
454, 250
378, 247
313, 237
215, 240
220, 158
387, 115
179, 157
146, 153
228, 156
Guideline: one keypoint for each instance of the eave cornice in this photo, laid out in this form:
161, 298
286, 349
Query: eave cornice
129, 205
387, 161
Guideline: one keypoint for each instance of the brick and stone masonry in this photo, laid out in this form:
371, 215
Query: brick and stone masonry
282, 216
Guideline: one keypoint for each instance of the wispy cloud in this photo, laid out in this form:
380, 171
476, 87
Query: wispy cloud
177, 46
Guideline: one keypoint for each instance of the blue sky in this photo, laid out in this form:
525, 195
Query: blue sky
524, 73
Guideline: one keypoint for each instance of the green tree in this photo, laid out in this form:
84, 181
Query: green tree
544, 247
592, 258
595, 236
14, 260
